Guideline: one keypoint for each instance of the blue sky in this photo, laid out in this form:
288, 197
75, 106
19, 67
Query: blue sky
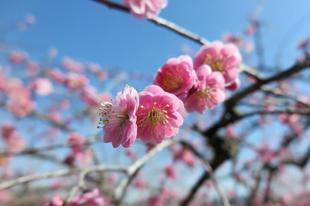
88, 31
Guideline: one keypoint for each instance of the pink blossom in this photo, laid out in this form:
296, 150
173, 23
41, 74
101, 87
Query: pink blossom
177, 76
5, 197
72, 65
76, 81
90, 96
32, 67
97, 70
22, 107
119, 118
7, 130
234, 39
20, 102
185, 156
251, 29
42, 86
145, 8
93, 198
14, 141
139, 183
235, 85
17, 57
170, 172
55, 201
77, 142
158, 116
57, 75
208, 93
224, 58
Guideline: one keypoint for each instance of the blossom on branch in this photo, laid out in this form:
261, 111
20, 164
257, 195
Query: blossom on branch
209, 91
177, 76
159, 114
119, 118
145, 8
224, 58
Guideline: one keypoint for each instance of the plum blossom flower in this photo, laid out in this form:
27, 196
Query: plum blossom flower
184, 155
224, 58
235, 85
78, 149
72, 65
77, 142
145, 8
42, 86
170, 172
57, 75
17, 57
14, 141
92, 98
119, 118
55, 201
208, 93
177, 76
76, 81
93, 198
32, 68
20, 102
158, 116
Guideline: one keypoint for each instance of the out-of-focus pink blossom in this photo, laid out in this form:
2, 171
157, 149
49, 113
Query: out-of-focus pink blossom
171, 172
119, 118
57, 75
158, 116
90, 96
77, 142
30, 19
234, 39
139, 183
224, 58
42, 86
7, 130
20, 102
251, 29
185, 156
235, 85
98, 71
177, 76
55, 201
76, 81
72, 65
5, 197
22, 107
32, 67
145, 8
14, 141
208, 93
17, 57
91, 198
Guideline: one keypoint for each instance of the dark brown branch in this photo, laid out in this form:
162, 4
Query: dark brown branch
298, 67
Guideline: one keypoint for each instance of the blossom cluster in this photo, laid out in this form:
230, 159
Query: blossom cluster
181, 85
93, 198
145, 9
